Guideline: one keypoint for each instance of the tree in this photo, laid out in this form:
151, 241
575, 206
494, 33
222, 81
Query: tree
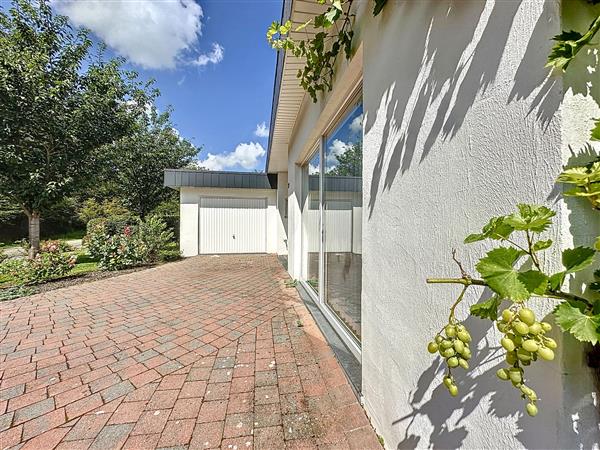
349, 162
136, 168
60, 102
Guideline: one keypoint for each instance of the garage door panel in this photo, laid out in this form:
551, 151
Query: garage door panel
232, 225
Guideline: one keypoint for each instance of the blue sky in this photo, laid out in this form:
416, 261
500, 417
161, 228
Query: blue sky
210, 60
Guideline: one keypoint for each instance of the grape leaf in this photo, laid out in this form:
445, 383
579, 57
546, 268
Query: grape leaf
379, 4
597, 244
534, 218
487, 309
556, 281
535, 281
496, 228
596, 131
497, 270
578, 258
542, 245
582, 326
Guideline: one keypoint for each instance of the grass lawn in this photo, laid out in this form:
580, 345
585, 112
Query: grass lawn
67, 236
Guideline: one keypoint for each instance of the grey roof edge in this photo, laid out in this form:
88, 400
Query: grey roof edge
176, 178
286, 12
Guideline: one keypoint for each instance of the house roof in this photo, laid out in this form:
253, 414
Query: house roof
288, 95
177, 178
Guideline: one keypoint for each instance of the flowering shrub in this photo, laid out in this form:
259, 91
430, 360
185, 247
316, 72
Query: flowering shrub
50, 263
118, 245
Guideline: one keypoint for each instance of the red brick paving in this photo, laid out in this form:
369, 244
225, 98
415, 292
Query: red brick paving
201, 354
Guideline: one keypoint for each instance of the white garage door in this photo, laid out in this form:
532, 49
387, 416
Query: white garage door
232, 225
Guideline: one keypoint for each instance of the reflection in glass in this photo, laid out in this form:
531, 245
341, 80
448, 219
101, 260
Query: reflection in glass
342, 219
312, 222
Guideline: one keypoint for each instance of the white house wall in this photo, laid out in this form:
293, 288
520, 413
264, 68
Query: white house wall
189, 220
461, 123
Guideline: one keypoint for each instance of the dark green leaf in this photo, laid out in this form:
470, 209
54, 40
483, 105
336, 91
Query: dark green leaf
542, 245
556, 281
578, 258
535, 281
487, 309
379, 4
596, 131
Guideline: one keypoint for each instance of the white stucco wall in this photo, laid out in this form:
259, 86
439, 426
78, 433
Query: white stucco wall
190, 199
461, 124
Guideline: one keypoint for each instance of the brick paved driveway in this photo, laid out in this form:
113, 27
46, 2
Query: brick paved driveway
210, 352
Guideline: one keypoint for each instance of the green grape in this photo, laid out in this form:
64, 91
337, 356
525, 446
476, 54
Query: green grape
521, 328
463, 363
508, 344
459, 346
518, 340
448, 381
515, 375
523, 355
466, 353
535, 329
550, 343
452, 362
532, 396
526, 390
453, 390
464, 336
511, 358
527, 316
531, 409
450, 331
448, 353
531, 346
507, 315
446, 343
502, 374
502, 327
438, 339
546, 326
546, 353
432, 347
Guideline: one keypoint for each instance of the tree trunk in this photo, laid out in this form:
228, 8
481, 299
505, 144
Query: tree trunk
34, 233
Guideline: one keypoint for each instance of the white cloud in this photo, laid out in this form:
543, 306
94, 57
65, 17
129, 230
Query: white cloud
245, 155
152, 34
336, 149
313, 170
262, 130
356, 124
215, 56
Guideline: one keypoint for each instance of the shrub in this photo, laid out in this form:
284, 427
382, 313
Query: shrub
155, 235
120, 244
50, 263
93, 209
170, 252
168, 211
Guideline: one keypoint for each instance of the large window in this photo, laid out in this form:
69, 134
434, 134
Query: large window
332, 221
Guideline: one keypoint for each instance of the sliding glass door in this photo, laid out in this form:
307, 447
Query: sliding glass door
332, 221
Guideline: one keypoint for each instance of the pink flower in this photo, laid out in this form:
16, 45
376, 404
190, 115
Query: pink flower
127, 231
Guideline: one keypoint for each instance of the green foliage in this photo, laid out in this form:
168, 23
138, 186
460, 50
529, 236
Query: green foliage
50, 263
568, 44
349, 162
94, 209
15, 292
487, 309
61, 102
321, 51
498, 271
576, 259
586, 182
379, 4
134, 165
595, 136
571, 319
119, 244
170, 252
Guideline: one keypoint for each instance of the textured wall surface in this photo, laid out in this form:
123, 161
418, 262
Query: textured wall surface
462, 122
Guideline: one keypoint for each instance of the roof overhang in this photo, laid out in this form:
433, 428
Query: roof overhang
288, 95
178, 178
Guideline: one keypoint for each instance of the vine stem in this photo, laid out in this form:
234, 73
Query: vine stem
467, 281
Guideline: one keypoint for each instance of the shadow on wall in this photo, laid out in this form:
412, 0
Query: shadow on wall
458, 57
479, 388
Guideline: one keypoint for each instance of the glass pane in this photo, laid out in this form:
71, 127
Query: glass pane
311, 221
342, 216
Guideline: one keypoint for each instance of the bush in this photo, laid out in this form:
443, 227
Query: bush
168, 211
170, 252
119, 245
50, 263
93, 209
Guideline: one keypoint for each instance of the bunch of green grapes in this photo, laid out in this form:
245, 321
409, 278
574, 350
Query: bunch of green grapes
524, 341
454, 348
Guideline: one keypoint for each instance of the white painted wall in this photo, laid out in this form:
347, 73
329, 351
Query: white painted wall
189, 221
461, 123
